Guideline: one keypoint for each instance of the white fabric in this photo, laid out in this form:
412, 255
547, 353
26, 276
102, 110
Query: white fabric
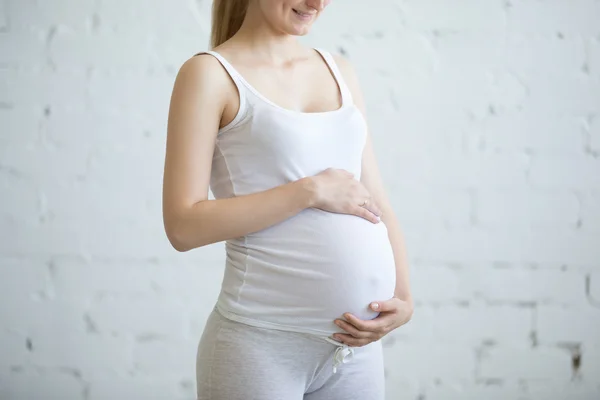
308, 270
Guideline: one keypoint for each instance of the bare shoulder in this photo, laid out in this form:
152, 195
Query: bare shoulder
346, 68
351, 78
202, 72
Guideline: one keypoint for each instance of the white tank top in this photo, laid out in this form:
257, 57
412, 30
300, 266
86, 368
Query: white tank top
300, 274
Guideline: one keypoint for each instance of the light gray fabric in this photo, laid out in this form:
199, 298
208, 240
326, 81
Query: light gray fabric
242, 362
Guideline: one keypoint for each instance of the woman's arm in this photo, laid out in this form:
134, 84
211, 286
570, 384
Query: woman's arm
371, 178
201, 96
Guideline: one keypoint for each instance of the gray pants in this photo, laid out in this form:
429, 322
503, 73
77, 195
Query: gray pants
242, 362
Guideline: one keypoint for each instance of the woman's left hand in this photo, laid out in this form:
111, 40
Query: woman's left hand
393, 314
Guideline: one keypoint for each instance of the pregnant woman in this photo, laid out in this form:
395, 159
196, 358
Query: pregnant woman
316, 269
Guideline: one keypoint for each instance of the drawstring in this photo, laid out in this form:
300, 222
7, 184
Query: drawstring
341, 356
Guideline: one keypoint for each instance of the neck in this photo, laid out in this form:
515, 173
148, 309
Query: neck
265, 41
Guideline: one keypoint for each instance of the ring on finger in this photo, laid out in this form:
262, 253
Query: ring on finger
364, 203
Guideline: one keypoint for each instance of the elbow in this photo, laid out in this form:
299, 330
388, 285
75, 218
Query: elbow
185, 234
176, 236
177, 242
181, 241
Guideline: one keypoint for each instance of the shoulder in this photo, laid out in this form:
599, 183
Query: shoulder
203, 72
343, 63
346, 68
350, 76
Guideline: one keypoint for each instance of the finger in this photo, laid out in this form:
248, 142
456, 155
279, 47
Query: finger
374, 209
351, 329
366, 214
373, 325
386, 305
352, 341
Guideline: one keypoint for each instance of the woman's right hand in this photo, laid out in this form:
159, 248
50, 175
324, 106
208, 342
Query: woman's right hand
336, 190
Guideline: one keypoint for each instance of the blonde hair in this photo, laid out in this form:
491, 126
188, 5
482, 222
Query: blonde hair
227, 18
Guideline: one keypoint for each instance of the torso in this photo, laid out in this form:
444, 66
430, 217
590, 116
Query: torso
308, 270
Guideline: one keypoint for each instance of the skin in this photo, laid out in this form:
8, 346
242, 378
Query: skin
266, 52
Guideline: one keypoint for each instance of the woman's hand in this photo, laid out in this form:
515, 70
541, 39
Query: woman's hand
393, 314
337, 191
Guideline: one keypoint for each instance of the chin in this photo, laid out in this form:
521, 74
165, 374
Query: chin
302, 30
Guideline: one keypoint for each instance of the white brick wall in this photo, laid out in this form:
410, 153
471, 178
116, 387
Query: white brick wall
486, 119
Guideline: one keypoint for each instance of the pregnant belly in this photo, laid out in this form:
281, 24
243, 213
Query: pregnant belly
312, 268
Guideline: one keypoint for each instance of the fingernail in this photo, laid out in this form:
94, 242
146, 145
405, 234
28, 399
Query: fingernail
375, 306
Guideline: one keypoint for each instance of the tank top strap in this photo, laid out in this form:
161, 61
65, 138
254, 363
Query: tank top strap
237, 79
345, 91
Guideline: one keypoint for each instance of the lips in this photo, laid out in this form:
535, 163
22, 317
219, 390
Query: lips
302, 14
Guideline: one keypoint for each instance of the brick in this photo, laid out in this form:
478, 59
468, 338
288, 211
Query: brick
439, 135
27, 47
476, 245
458, 171
420, 329
3, 16
142, 387
593, 131
520, 362
24, 279
479, 323
533, 130
26, 14
39, 88
507, 91
79, 280
165, 357
549, 48
530, 285
567, 95
44, 318
132, 85
568, 325
14, 350
422, 206
437, 284
458, 391
575, 390
565, 172
527, 208
590, 212
126, 315
590, 363
451, 362
400, 388
42, 384
581, 20
343, 20
593, 50
458, 15
594, 289
21, 127
463, 51
78, 51
34, 162
91, 354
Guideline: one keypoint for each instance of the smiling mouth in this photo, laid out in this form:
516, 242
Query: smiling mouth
302, 14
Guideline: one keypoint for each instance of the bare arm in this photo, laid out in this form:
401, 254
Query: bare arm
201, 94
371, 178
